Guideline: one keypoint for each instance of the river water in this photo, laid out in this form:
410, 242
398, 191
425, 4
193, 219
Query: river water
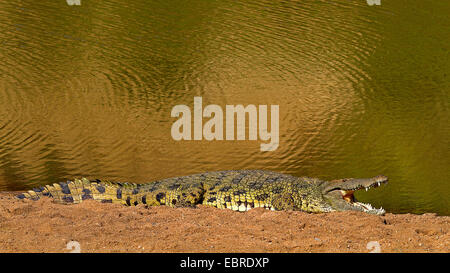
362, 90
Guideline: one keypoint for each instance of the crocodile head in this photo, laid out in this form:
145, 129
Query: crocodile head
339, 193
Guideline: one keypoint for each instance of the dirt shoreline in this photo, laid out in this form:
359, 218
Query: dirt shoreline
43, 226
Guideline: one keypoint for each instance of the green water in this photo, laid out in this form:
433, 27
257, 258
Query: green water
362, 90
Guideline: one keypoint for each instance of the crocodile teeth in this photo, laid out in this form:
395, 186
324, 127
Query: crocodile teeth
242, 207
367, 189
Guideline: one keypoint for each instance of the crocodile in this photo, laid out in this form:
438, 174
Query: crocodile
238, 190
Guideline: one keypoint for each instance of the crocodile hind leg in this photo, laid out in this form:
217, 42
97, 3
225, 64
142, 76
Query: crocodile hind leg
184, 195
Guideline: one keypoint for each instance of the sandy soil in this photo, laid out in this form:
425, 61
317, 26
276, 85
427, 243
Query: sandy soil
42, 226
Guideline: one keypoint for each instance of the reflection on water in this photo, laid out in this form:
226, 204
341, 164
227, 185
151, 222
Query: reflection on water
363, 90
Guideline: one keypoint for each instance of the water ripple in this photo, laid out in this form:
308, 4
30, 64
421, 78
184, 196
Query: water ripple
87, 90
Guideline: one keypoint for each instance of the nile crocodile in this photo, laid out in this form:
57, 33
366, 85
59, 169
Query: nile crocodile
236, 190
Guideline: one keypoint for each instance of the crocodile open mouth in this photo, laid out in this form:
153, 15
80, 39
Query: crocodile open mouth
348, 195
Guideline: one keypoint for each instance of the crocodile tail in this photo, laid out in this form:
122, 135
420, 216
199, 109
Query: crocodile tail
78, 190
74, 192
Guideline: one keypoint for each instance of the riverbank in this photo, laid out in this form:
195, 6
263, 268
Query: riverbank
42, 226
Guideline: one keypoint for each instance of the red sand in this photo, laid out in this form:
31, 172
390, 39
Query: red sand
43, 226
